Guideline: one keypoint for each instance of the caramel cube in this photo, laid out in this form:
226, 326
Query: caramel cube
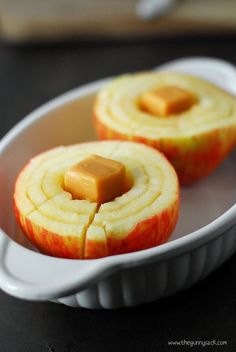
167, 101
96, 179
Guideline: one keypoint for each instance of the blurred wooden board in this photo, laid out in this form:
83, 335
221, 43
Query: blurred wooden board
36, 20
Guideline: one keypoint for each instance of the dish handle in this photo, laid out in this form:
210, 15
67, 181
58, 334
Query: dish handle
214, 70
31, 275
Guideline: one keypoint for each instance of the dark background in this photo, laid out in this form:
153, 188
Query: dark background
31, 75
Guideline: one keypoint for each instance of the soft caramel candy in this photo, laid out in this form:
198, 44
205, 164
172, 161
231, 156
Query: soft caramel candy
167, 101
96, 179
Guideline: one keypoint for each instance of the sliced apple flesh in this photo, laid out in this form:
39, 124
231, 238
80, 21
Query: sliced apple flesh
142, 217
190, 120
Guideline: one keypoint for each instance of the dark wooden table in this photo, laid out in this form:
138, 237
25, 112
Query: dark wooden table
32, 75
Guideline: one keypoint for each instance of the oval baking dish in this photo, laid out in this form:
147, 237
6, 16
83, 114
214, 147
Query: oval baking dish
204, 237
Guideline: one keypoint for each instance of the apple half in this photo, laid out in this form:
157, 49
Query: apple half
195, 141
61, 226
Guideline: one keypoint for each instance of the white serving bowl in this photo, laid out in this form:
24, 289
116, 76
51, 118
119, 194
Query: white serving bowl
204, 238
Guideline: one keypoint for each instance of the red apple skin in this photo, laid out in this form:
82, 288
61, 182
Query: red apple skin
146, 234
205, 153
48, 242
95, 249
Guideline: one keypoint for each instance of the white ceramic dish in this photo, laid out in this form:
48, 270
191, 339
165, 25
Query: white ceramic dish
204, 238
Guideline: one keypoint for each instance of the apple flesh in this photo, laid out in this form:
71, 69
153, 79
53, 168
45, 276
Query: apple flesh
61, 226
192, 157
146, 234
195, 141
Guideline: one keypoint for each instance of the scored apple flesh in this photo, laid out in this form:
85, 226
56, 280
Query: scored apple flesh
61, 226
195, 140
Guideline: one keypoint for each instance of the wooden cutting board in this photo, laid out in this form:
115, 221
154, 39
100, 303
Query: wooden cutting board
23, 20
